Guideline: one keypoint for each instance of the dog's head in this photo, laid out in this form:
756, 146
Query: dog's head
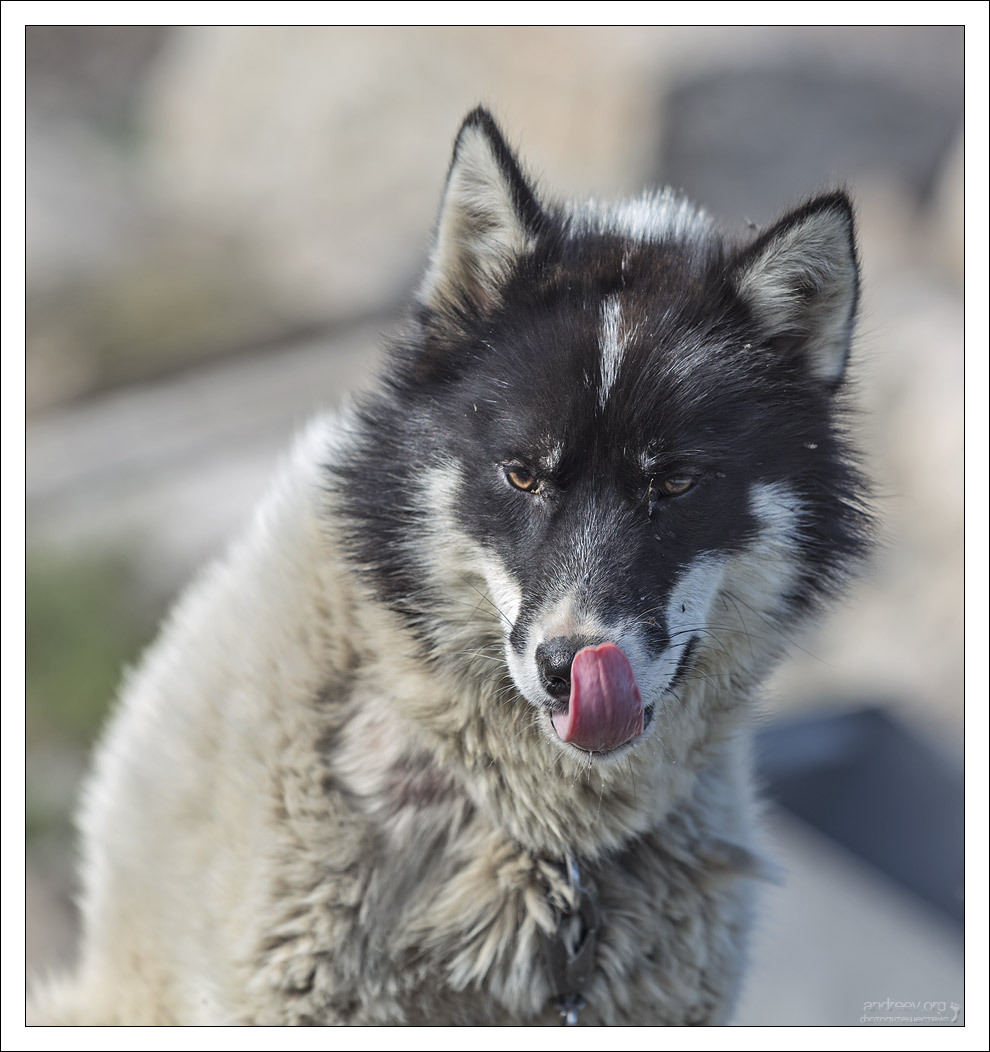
610, 440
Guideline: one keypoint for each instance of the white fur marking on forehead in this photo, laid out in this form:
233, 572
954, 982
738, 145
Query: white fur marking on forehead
613, 346
653, 216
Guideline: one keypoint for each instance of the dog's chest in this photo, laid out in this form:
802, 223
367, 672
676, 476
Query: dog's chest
417, 910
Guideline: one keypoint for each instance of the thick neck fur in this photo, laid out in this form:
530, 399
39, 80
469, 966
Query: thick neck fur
449, 735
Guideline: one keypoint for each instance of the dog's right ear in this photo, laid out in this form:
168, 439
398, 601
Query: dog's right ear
801, 281
488, 219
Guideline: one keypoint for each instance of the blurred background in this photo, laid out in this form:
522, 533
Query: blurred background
222, 220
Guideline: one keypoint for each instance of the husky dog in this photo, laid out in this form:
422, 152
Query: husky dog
457, 733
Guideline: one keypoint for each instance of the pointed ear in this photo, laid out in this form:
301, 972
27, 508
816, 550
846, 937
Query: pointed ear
488, 219
800, 279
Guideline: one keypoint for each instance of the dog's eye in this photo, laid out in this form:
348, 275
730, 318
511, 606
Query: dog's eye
522, 478
671, 486
676, 485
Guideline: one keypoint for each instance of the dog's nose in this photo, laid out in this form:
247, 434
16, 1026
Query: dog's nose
554, 659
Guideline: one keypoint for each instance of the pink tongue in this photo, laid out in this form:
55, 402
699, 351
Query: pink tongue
605, 709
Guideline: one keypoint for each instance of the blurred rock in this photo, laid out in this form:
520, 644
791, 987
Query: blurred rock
157, 301
326, 148
50, 916
89, 73
836, 936
748, 141
946, 217
172, 469
83, 106
194, 189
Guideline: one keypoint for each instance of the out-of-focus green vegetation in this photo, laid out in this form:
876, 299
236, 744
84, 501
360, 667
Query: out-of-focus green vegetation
86, 619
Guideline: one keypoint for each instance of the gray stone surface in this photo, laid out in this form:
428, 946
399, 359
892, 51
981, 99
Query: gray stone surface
836, 935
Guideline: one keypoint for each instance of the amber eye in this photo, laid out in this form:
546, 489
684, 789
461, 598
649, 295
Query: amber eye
672, 486
522, 478
676, 485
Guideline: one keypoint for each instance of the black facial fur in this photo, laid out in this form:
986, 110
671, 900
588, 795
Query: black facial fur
707, 388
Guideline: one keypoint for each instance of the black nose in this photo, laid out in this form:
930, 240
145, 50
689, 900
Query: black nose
554, 659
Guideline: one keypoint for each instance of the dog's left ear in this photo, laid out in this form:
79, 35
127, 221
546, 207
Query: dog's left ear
488, 219
800, 279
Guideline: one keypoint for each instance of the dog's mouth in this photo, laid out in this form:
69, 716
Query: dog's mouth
605, 710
